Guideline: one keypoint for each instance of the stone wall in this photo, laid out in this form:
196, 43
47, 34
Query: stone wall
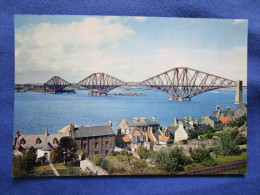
96, 145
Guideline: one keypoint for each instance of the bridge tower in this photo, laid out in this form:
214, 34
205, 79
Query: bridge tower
239, 91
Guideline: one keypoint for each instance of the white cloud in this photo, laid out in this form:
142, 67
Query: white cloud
73, 50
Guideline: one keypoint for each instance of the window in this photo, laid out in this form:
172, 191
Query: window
22, 141
85, 146
106, 144
96, 152
38, 141
55, 141
106, 152
96, 145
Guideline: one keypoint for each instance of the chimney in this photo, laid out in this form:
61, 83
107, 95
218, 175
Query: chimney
217, 107
228, 108
17, 133
142, 119
135, 119
153, 119
46, 132
110, 124
175, 123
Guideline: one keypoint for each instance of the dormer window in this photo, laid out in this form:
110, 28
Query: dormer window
55, 141
22, 141
38, 141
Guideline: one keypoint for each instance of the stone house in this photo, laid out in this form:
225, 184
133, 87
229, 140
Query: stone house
213, 121
223, 113
143, 124
180, 133
42, 143
94, 139
225, 121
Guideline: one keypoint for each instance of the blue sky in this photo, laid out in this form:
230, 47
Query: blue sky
128, 48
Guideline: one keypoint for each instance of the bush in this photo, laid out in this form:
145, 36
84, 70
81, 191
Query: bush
209, 162
240, 139
227, 146
200, 154
143, 152
114, 153
170, 160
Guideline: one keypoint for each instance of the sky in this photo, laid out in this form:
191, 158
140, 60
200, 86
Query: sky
128, 48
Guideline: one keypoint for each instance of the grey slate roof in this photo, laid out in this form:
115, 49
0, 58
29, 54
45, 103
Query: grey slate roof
46, 141
93, 131
142, 123
215, 119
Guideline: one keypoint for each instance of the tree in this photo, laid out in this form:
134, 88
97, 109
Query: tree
240, 139
239, 121
143, 152
170, 160
226, 146
202, 155
22, 165
67, 148
56, 155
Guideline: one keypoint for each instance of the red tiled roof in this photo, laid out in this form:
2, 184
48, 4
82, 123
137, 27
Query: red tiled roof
126, 138
137, 133
150, 137
164, 138
123, 138
225, 120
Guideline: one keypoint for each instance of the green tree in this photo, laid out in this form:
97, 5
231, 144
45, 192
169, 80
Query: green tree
170, 160
56, 155
240, 139
143, 152
22, 165
226, 146
67, 148
202, 155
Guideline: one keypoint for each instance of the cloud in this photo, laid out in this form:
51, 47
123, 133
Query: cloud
237, 21
68, 49
76, 50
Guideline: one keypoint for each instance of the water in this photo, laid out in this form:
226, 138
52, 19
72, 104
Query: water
35, 112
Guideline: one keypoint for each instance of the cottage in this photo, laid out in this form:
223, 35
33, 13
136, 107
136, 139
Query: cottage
223, 113
225, 121
143, 124
213, 121
180, 133
42, 143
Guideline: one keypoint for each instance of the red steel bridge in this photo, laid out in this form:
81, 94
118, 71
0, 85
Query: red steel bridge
180, 83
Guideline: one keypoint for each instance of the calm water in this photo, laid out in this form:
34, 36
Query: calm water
36, 111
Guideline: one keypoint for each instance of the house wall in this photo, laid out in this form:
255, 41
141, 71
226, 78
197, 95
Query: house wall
180, 134
88, 144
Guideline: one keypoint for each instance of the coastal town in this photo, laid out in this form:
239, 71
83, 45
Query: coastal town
140, 146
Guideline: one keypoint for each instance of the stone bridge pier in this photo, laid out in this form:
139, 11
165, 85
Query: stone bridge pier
239, 92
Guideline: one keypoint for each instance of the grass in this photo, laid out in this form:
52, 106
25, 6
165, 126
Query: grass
192, 166
42, 168
59, 166
227, 159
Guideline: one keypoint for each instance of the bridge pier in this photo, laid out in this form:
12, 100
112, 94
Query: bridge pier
239, 91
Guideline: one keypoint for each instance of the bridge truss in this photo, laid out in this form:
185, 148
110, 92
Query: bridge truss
55, 84
183, 83
100, 83
179, 83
